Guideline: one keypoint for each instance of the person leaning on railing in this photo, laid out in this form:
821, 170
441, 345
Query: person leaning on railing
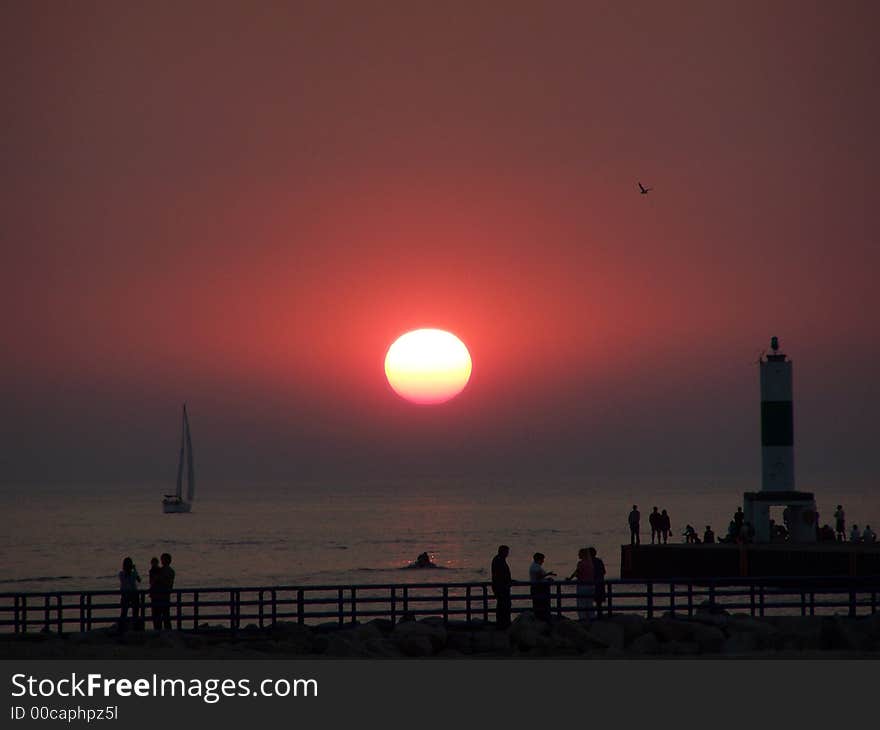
586, 587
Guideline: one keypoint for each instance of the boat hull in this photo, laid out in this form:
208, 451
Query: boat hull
169, 507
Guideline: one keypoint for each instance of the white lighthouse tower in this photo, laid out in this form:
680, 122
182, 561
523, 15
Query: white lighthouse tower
777, 457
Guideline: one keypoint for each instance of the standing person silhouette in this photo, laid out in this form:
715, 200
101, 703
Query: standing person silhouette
665, 526
501, 582
840, 523
739, 518
540, 580
586, 592
654, 520
155, 592
633, 519
598, 579
129, 596
164, 586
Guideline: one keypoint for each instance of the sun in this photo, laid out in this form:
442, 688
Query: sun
428, 366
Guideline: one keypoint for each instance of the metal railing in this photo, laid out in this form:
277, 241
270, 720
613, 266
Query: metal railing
231, 607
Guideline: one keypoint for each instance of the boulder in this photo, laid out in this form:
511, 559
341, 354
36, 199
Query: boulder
525, 637
85, 637
633, 625
546, 645
320, 644
709, 638
289, 630
871, 626
415, 645
764, 633
740, 642
133, 638
194, 641
327, 627
608, 634
343, 646
381, 648
577, 635
365, 632
524, 632
850, 636
680, 648
448, 653
798, 632
742, 622
460, 640
491, 641
433, 633
710, 618
669, 629
645, 644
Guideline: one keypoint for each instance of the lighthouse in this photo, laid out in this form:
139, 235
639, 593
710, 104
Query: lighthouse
777, 458
777, 422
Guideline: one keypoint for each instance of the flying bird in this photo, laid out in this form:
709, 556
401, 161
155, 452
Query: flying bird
644, 190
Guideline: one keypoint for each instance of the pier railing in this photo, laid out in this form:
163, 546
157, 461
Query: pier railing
195, 609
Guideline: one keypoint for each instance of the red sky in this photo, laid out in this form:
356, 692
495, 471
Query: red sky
242, 208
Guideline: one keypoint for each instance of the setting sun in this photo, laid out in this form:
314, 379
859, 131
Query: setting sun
428, 366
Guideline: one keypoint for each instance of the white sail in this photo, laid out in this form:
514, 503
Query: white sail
190, 474
175, 502
180, 460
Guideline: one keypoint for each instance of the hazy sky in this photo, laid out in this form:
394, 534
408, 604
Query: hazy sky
241, 205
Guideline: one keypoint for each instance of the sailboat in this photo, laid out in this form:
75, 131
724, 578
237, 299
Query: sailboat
176, 502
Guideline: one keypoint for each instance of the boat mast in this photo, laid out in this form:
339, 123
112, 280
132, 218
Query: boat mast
191, 472
180, 460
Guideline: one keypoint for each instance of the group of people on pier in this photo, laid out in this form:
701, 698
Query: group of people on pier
161, 578
661, 526
589, 572
741, 531
865, 537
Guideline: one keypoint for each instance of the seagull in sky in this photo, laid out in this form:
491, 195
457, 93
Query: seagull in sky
643, 190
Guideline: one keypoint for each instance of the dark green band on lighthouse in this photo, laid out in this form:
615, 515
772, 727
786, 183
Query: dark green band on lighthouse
777, 423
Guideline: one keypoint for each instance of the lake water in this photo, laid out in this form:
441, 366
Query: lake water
75, 536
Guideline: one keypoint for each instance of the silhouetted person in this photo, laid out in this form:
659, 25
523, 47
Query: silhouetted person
423, 561
501, 582
155, 592
840, 523
868, 536
586, 584
633, 519
128, 592
690, 535
738, 520
599, 579
665, 526
786, 518
162, 602
827, 534
540, 580
854, 535
732, 532
654, 521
